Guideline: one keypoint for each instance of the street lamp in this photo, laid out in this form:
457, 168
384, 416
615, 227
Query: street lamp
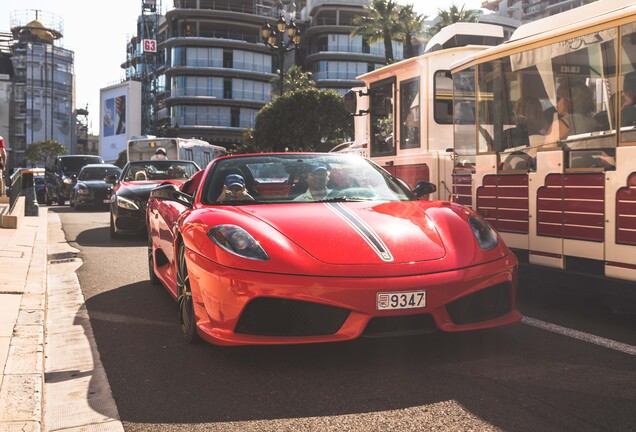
274, 39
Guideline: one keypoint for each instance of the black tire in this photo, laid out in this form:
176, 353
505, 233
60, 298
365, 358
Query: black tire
154, 279
113, 233
184, 299
60, 200
48, 199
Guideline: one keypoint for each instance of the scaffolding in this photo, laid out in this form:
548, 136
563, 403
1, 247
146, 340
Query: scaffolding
148, 52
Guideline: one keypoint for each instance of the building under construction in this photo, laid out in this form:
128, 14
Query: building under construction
42, 105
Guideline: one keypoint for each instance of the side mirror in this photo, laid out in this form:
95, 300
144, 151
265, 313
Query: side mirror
351, 102
111, 179
170, 192
424, 188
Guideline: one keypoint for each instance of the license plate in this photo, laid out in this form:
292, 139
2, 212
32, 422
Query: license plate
107, 201
401, 300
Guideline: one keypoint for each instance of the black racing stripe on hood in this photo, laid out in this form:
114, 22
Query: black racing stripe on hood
363, 229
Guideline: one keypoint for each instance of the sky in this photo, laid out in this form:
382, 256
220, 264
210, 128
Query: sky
98, 33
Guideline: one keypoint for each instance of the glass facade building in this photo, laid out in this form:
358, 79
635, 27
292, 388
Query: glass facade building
211, 72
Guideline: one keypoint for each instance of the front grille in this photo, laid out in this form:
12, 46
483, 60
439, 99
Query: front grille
399, 326
100, 195
265, 316
482, 305
129, 224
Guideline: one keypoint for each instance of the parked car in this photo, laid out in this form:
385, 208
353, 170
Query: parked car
61, 174
300, 248
91, 187
131, 190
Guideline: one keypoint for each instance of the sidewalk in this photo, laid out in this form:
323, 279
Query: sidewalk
52, 378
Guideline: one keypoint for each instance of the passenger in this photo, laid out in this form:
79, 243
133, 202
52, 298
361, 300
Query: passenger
628, 109
141, 176
575, 106
317, 184
160, 154
177, 172
234, 189
529, 121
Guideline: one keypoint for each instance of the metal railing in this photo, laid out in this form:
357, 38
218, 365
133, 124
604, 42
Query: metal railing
22, 184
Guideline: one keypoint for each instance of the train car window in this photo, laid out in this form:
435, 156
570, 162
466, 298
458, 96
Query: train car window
410, 112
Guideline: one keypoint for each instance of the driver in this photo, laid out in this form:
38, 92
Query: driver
317, 184
234, 189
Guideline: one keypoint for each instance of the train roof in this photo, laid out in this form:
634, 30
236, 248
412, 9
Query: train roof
552, 28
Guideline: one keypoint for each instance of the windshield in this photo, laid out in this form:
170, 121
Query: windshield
72, 165
159, 170
300, 178
97, 173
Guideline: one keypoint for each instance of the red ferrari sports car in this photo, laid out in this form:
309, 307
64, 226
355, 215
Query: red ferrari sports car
303, 247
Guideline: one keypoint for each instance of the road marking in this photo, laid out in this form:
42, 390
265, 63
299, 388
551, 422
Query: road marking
586, 337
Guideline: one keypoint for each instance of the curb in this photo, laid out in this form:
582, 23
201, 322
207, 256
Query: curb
77, 393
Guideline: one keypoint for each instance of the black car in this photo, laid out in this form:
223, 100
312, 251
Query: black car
132, 189
91, 188
61, 174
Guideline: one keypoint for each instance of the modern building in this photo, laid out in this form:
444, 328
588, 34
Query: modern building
208, 72
42, 103
334, 57
531, 10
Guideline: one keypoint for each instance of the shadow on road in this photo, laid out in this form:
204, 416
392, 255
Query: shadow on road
515, 378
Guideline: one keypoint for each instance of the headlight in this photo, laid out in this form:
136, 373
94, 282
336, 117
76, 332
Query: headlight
237, 241
485, 235
82, 191
67, 180
126, 203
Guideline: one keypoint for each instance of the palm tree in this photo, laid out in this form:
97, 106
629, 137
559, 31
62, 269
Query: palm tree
380, 23
454, 15
295, 79
410, 27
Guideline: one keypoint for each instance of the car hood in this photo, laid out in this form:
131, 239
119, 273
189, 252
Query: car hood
139, 190
94, 184
357, 233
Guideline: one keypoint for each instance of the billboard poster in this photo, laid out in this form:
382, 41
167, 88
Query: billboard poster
114, 116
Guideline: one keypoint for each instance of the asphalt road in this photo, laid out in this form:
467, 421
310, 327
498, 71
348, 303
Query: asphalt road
518, 378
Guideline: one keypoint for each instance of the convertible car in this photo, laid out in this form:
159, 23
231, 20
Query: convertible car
301, 248
131, 189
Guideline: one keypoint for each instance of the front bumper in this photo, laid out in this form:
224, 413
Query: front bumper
129, 221
94, 198
232, 305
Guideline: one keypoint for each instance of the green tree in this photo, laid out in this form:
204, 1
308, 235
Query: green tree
453, 15
247, 145
410, 27
381, 23
295, 79
40, 151
302, 120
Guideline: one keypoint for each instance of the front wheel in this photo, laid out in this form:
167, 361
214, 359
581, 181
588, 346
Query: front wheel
184, 299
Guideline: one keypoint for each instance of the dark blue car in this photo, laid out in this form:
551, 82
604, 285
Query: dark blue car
90, 188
